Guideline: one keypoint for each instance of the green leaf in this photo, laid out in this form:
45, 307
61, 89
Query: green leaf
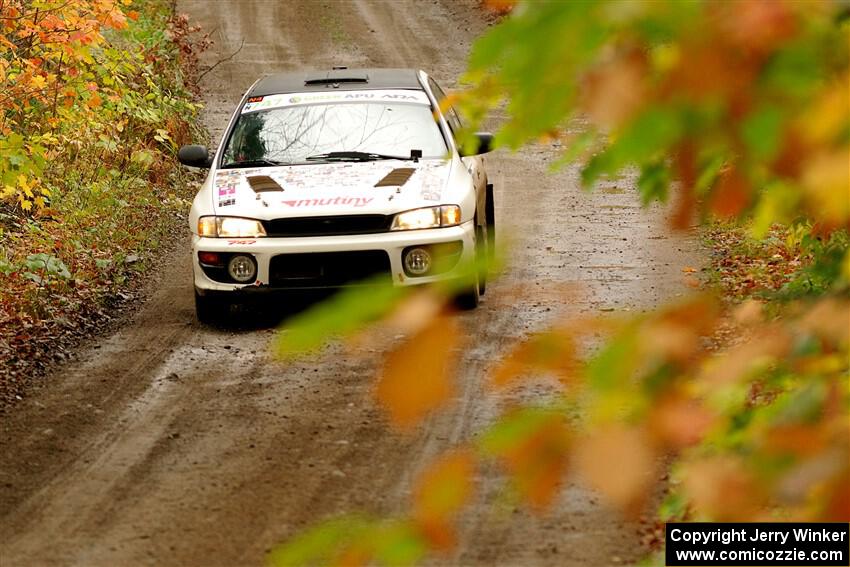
761, 132
319, 544
398, 543
512, 430
340, 315
651, 133
653, 182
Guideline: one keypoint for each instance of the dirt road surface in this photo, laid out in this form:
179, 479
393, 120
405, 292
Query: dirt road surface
170, 443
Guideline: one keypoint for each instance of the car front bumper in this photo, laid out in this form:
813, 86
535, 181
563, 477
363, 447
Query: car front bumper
263, 250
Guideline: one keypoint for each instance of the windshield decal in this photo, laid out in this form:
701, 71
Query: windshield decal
297, 99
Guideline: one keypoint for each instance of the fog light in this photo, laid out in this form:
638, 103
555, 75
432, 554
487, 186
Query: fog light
242, 268
417, 262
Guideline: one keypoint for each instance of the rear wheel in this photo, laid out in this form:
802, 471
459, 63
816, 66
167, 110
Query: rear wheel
490, 217
209, 308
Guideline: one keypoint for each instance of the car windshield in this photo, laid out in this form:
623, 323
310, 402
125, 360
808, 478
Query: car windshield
333, 132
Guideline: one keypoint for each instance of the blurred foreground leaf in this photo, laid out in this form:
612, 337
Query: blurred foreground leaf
418, 375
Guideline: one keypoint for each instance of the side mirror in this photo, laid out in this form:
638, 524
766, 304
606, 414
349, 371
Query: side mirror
483, 141
194, 156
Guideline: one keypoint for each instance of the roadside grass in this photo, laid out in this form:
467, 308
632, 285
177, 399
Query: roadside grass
113, 194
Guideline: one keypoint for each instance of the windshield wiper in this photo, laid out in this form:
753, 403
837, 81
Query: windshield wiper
351, 156
253, 163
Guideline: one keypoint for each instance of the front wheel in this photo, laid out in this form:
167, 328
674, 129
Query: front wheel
470, 297
482, 260
209, 308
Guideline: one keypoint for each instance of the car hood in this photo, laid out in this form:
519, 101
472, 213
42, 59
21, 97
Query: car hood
376, 187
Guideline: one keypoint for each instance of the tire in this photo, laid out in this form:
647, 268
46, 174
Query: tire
210, 309
471, 297
481, 258
490, 218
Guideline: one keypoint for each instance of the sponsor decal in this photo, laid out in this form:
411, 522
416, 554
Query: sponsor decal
432, 187
227, 202
241, 242
328, 201
226, 190
280, 101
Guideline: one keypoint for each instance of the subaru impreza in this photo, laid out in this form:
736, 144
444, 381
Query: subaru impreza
340, 178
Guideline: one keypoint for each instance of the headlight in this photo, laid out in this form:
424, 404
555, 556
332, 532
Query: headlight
230, 227
430, 217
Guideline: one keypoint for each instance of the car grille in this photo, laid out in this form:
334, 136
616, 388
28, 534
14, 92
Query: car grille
328, 226
329, 269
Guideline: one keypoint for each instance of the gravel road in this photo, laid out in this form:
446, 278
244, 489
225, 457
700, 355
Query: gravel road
170, 443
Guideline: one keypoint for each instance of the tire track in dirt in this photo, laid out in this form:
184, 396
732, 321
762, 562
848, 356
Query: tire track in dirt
173, 444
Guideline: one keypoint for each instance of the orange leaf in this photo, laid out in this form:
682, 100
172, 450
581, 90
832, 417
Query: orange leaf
538, 461
732, 194
619, 462
722, 489
552, 351
445, 486
614, 91
500, 7
94, 101
416, 376
677, 421
736, 363
440, 493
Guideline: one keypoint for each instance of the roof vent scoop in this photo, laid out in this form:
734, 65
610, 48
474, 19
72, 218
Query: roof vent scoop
336, 77
396, 178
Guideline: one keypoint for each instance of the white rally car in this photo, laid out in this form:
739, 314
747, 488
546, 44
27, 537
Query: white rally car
336, 178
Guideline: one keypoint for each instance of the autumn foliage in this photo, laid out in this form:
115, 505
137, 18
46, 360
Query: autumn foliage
92, 107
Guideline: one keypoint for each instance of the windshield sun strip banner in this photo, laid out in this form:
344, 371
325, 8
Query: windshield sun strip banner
298, 99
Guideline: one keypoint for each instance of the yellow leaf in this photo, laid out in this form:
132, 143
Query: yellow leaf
826, 117
38, 82
826, 181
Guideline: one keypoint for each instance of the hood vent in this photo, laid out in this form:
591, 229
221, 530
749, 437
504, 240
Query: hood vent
263, 184
396, 178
